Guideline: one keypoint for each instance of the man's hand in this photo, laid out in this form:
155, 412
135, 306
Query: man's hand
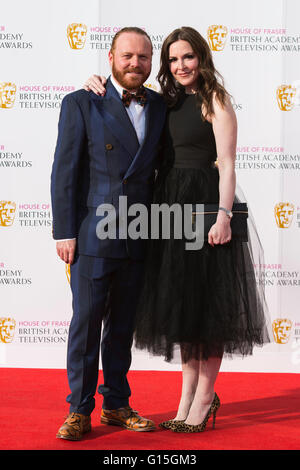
66, 250
96, 84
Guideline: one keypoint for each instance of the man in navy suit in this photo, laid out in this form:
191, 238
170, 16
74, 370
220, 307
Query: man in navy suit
106, 148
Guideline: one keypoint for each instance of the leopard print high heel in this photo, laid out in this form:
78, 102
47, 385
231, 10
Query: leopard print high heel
187, 428
170, 423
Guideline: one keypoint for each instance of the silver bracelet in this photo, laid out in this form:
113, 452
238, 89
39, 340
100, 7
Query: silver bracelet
228, 213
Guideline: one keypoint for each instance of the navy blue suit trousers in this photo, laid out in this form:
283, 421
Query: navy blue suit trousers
104, 291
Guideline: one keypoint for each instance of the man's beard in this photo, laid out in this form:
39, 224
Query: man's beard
127, 80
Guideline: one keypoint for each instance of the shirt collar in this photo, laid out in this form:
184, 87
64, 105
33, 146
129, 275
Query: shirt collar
118, 87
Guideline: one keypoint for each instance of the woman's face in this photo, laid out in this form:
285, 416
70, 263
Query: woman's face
184, 64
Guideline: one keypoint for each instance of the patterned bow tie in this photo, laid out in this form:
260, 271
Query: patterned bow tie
139, 96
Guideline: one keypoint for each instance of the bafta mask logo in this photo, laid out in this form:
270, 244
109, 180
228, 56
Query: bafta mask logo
217, 35
284, 212
286, 97
282, 330
76, 33
7, 329
7, 94
7, 213
68, 272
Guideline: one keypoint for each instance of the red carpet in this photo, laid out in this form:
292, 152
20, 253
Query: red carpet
258, 412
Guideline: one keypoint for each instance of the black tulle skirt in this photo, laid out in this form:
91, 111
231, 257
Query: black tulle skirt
205, 302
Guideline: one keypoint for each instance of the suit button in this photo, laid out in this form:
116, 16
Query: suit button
125, 181
108, 146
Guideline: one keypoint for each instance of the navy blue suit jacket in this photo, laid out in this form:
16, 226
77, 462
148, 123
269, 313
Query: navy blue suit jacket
97, 159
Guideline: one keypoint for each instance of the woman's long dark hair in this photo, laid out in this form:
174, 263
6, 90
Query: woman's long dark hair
210, 82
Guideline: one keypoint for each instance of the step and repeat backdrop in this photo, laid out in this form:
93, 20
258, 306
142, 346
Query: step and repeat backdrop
48, 49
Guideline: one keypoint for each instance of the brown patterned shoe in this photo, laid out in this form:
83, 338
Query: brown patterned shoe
128, 418
74, 427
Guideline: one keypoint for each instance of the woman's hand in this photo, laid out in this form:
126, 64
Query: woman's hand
220, 232
96, 83
225, 131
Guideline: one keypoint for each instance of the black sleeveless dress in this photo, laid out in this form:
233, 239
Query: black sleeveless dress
205, 301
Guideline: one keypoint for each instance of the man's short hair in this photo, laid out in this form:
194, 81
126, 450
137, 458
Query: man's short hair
129, 29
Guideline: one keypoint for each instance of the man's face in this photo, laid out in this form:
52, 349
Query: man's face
131, 60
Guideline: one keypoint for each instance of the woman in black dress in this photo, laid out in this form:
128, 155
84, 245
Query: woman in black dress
205, 302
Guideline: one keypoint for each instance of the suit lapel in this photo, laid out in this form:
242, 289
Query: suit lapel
116, 118
153, 124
